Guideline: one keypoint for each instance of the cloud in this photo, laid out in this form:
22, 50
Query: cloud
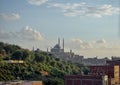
37, 2
94, 48
66, 6
77, 41
30, 34
13, 16
97, 44
79, 44
101, 41
26, 33
82, 9
100, 11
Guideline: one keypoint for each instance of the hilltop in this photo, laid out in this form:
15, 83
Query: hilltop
37, 65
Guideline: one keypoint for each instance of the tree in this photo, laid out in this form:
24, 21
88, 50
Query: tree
2, 51
26, 55
17, 55
53, 81
40, 57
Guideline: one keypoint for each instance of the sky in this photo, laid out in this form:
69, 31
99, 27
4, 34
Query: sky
89, 27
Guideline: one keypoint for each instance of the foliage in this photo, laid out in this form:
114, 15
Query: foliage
38, 65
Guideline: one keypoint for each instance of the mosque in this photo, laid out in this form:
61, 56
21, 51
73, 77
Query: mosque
57, 48
58, 52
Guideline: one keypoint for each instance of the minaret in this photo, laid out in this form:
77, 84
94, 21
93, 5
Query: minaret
33, 49
63, 44
59, 41
47, 50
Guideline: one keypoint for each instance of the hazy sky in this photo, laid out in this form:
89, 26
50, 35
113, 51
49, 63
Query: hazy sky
89, 27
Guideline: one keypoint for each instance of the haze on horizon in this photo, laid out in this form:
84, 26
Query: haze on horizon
90, 28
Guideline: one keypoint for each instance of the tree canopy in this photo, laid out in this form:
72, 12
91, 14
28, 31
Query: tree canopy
38, 65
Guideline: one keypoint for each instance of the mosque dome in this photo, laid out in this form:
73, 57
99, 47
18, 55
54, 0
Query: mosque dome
57, 46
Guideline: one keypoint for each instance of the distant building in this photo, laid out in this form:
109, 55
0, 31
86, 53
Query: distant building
115, 58
86, 80
94, 61
14, 61
111, 70
98, 75
58, 52
32, 83
114, 62
57, 48
21, 83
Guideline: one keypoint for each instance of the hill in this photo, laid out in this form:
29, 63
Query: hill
38, 65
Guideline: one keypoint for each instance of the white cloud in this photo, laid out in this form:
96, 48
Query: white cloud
77, 41
101, 41
82, 9
61, 5
100, 47
79, 44
31, 34
26, 33
68, 6
100, 11
13, 16
37, 2
96, 44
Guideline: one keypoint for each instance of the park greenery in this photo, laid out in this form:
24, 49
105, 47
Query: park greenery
38, 65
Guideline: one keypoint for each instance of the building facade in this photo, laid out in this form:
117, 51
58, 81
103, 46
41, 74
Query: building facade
111, 70
98, 75
114, 62
86, 80
21, 83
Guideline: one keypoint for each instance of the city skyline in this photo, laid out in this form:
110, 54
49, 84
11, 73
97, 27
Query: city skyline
90, 28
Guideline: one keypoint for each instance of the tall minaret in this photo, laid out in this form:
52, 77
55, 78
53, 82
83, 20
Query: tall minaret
33, 49
63, 44
47, 50
59, 41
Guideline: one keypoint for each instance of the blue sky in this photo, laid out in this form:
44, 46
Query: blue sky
40, 22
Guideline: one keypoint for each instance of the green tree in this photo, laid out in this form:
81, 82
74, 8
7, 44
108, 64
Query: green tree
2, 52
26, 54
40, 57
17, 55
